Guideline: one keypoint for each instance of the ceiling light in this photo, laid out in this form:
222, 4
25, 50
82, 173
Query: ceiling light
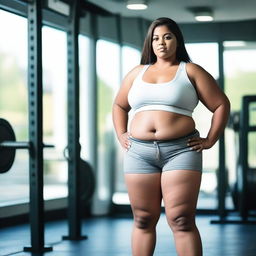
203, 16
136, 5
202, 13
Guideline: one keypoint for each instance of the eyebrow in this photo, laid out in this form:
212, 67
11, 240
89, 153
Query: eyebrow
169, 33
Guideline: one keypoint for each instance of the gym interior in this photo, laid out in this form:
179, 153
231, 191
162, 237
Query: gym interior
62, 190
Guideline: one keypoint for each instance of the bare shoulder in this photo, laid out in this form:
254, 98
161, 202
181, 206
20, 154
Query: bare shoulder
131, 75
194, 69
121, 98
198, 74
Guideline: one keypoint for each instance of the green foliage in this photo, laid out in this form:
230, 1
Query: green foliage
13, 94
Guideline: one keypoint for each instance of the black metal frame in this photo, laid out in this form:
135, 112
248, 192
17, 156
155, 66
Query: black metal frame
221, 173
222, 177
245, 129
74, 212
242, 171
35, 127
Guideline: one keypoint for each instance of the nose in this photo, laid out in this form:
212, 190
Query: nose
161, 41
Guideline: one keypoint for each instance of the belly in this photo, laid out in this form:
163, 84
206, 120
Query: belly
160, 125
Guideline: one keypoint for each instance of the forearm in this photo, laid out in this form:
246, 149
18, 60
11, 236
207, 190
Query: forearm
120, 119
218, 123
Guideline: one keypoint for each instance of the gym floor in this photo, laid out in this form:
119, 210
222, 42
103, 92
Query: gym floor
111, 237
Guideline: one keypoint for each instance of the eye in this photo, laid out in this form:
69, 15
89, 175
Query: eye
168, 37
155, 38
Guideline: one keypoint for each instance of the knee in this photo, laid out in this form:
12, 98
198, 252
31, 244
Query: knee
145, 221
182, 223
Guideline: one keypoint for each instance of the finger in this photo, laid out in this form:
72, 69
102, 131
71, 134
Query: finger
197, 147
127, 144
194, 139
200, 150
195, 143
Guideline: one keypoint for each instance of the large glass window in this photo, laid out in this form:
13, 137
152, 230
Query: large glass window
84, 67
14, 102
206, 55
240, 79
108, 72
14, 106
54, 49
130, 59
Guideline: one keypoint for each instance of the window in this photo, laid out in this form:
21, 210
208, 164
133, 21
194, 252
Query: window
206, 55
130, 59
108, 73
14, 186
84, 62
240, 77
54, 48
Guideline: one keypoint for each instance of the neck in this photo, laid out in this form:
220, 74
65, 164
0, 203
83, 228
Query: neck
165, 62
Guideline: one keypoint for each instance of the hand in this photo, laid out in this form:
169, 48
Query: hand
124, 140
199, 144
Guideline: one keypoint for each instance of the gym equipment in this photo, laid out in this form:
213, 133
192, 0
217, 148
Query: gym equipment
244, 190
74, 182
246, 176
7, 154
8, 145
88, 183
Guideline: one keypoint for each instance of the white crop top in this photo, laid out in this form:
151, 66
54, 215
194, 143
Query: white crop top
178, 95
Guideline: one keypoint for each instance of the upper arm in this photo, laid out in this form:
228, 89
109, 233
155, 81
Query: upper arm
207, 88
122, 96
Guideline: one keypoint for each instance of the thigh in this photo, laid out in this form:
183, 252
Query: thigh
144, 192
180, 190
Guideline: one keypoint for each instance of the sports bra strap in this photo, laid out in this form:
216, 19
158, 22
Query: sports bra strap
143, 70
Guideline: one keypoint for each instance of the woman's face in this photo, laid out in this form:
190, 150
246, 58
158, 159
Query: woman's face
164, 43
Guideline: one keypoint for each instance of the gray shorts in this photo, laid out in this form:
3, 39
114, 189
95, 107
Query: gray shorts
156, 156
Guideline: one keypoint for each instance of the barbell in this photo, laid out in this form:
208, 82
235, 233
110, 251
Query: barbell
8, 145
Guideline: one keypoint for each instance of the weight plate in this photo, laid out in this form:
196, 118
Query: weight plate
87, 184
7, 155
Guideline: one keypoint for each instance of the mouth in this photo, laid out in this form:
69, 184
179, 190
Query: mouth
161, 49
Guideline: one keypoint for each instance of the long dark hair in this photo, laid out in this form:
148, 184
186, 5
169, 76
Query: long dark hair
148, 56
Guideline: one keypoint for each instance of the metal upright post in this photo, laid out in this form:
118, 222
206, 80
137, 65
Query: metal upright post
222, 177
243, 170
221, 174
74, 213
35, 127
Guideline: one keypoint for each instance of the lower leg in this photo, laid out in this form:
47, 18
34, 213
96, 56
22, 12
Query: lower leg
143, 241
145, 197
180, 190
188, 242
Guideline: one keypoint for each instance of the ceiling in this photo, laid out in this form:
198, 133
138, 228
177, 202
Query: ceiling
224, 10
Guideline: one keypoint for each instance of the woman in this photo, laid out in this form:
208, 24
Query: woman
164, 151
